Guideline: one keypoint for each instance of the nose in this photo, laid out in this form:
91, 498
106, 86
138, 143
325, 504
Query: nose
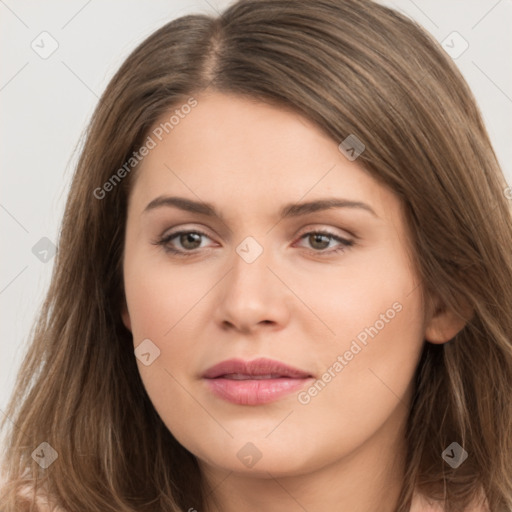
252, 296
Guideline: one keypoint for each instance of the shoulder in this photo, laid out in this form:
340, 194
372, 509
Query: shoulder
420, 503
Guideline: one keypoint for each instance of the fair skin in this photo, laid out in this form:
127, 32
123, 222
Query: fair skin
298, 302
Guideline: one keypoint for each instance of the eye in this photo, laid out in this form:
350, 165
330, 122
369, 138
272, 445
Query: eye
189, 241
320, 240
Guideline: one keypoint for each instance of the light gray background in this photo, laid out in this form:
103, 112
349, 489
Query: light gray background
46, 104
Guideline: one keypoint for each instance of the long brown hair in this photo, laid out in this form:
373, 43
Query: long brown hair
353, 67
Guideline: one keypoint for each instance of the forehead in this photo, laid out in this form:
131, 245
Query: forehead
234, 150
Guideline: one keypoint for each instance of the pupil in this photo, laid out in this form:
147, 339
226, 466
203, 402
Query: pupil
189, 237
318, 238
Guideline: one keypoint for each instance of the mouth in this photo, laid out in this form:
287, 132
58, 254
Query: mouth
241, 376
254, 382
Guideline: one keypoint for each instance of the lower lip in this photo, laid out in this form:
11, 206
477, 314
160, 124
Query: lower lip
254, 391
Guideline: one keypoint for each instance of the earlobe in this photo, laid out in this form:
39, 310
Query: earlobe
444, 324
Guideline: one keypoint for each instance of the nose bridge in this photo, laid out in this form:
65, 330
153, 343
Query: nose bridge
250, 250
252, 295
250, 262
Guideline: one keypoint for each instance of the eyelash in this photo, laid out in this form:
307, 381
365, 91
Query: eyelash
164, 242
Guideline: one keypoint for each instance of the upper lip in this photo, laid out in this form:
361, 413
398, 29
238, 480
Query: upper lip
256, 367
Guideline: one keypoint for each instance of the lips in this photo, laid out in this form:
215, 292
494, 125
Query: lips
262, 368
242, 376
254, 382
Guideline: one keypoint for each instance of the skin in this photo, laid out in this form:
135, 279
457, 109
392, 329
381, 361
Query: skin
296, 303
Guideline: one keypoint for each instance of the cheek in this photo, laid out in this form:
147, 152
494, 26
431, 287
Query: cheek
370, 367
164, 303
367, 367
160, 296
374, 382
159, 303
373, 295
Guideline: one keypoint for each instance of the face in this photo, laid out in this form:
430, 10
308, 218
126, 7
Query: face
328, 291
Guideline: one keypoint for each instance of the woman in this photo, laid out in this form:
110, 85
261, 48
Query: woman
283, 280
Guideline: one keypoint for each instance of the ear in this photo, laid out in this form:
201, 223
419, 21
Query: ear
443, 323
125, 315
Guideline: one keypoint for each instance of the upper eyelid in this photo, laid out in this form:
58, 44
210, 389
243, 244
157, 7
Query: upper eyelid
306, 230
311, 226
172, 234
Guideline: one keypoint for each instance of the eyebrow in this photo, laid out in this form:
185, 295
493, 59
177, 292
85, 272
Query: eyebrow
288, 211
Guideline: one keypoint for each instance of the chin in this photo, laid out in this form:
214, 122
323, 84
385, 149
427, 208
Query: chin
260, 460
